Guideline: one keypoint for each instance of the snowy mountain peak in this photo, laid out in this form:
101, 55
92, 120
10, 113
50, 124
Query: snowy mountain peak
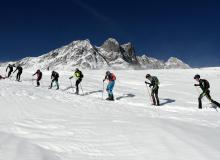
111, 54
111, 45
174, 62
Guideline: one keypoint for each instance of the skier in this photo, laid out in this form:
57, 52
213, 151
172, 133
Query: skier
204, 85
19, 69
154, 83
10, 67
79, 76
39, 77
111, 78
54, 77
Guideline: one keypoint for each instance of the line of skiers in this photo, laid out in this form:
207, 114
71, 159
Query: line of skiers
11, 68
153, 84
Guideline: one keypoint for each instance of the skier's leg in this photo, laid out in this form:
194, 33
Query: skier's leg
153, 96
77, 86
51, 84
38, 83
207, 94
156, 96
9, 74
109, 89
200, 100
57, 84
17, 77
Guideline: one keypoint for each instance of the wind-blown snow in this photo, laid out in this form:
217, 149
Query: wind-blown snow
42, 124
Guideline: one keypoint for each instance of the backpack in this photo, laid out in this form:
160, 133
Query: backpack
206, 83
81, 75
78, 74
56, 75
113, 77
156, 80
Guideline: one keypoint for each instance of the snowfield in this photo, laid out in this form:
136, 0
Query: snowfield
42, 124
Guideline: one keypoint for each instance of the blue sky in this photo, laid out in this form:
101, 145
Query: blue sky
189, 30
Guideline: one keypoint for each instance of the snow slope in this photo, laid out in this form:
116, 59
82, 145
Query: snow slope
42, 124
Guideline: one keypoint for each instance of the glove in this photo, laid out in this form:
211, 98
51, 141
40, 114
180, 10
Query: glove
147, 82
195, 85
103, 80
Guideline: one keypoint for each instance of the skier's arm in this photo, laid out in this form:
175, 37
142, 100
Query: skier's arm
105, 78
34, 74
6, 69
196, 85
147, 82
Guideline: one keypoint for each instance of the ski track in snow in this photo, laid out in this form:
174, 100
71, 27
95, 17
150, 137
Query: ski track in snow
42, 124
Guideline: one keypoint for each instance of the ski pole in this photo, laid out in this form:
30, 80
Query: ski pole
103, 86
149, 94
71, 85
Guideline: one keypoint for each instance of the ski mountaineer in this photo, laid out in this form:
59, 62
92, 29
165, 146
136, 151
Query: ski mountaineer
20, 70
204, 85
154, 83
111, 78
79, 76
54, 77
39, 77
10, 67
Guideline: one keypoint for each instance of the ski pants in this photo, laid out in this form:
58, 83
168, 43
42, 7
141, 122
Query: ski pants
38, 81
9, 73
207, 94
154, 95
56, 81
110, 87
78, 81
18, 77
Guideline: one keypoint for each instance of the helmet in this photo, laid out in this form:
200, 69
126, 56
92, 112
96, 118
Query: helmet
108, 73
38, 70
148, 75
77, 69
197, 76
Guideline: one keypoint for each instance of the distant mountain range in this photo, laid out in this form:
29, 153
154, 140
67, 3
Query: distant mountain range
111, 55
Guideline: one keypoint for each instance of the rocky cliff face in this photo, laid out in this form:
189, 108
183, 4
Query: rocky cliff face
110, 55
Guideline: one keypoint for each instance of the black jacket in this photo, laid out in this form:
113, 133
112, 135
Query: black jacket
19, 68
55, 75
10, 67
204, 84
39, 75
